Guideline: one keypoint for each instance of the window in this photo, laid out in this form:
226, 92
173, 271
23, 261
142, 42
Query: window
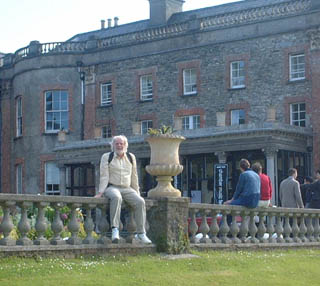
146, 87
106, 132
56, 110
191, 122
189, 81
237, 74
145, 125
106, 93
52, 177
297, 67
237, 117
298, 114
19, 179
19, 117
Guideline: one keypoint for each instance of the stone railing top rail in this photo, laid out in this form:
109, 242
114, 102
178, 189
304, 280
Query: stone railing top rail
58, 199
215, 21
219, 208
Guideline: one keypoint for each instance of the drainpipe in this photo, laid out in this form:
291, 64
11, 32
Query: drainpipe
82, 75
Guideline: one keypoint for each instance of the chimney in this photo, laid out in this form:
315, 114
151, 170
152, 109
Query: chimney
109, 23
162, 10
103, 24
116, 19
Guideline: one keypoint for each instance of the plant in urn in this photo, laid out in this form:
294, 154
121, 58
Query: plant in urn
164, 162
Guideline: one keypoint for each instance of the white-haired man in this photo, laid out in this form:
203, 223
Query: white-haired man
119, 181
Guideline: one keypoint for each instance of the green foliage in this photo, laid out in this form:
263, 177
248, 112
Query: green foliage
162, 130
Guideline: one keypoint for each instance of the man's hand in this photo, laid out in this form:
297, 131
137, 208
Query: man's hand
98, 195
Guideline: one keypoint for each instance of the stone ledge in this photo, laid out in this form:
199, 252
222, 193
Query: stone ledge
71, 251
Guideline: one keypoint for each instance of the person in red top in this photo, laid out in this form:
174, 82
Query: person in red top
266, 186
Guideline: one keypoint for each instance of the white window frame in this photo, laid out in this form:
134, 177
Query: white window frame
58, 113
145, 125
146, 87
300, 112
236, 116
106, 93
237, 74
190, 122
297, 69
19, 179
106, 131
190, 81
52, 177
19, 116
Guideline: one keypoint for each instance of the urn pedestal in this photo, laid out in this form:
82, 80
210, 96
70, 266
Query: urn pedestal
164, 164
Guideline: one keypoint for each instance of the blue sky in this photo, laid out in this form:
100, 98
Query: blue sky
22, 21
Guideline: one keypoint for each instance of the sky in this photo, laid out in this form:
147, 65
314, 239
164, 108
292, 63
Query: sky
23, 21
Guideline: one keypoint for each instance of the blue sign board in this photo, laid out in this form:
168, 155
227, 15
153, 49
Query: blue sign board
220, 183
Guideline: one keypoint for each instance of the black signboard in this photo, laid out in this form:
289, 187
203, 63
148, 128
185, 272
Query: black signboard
220, 183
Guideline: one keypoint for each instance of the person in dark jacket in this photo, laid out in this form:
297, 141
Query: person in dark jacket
315, 192
248, 188
305, 191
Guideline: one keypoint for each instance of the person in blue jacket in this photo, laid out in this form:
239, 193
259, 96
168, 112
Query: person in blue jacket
247, 192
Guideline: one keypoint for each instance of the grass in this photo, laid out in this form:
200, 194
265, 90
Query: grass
213, 268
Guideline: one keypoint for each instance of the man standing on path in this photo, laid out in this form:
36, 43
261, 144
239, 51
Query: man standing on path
266, 186
119, 181
290, 194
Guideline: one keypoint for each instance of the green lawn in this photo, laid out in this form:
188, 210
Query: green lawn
279, 267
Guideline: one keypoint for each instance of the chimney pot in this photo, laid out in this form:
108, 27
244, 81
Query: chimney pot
103, 24
109, 23
116, 19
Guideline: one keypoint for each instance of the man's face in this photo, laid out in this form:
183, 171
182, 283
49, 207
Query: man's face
295, 175
317, 176
119, 146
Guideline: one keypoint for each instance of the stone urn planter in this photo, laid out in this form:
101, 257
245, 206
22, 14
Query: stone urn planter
164, 164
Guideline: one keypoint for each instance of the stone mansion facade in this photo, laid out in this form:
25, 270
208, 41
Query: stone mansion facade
240, 80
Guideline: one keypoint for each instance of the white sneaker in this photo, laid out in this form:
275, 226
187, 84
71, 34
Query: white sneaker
141, 237
115, 235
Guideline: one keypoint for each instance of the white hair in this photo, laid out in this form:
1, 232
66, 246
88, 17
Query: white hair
123, 138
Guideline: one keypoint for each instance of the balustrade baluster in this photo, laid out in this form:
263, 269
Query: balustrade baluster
295, 229
131, 226
244, 228
103, 226
204, 228
224, 228
41, 224
193, 227
287, 229
316, 227
24, 225
57, 226
89, 225
74, 225
214, 228
303, 229
234, 228
7, 224
279, 228
310, 229
261, 227
253, 228
270, 228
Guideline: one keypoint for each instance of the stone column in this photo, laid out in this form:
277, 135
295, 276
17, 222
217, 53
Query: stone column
168, 220
62, 172
271, 156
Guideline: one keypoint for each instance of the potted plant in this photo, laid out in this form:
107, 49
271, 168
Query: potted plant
164, 161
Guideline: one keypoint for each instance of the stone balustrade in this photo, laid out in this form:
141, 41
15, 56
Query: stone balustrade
17, 206
258, 226
172, 223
